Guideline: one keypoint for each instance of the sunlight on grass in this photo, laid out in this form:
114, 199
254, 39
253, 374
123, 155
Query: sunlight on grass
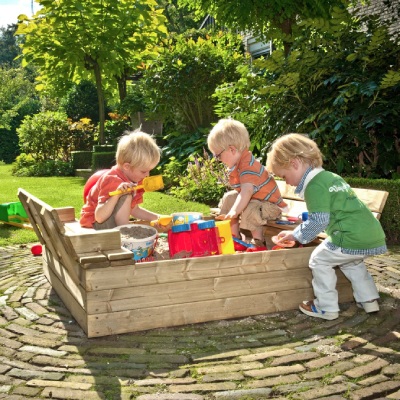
68, 191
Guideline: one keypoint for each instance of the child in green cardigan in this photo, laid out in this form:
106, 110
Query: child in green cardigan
353, 233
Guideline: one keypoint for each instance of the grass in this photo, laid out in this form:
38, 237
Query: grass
68, 191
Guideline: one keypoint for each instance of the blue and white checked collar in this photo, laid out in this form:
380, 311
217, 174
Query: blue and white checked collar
300, 186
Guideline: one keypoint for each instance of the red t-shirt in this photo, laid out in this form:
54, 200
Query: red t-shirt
99, 193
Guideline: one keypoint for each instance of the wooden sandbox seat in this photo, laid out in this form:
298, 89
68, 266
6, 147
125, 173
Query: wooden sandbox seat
374, 199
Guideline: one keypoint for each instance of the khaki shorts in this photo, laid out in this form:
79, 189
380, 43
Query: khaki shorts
256, 213
110, 222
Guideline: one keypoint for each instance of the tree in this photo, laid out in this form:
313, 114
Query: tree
266, 19
80, 102
340, 84
9, 49
15, 92
179, 19
179, 85
18, 99
104, 40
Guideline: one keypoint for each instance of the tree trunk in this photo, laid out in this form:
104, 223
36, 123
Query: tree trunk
92, 64
100, 97
121, 87
286, 28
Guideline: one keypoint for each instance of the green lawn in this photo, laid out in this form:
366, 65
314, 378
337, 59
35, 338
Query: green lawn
67, 191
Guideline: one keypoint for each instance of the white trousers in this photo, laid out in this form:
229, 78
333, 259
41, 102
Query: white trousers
322, 263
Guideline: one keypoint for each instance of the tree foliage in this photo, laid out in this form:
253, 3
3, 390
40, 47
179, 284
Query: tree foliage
50, 135
268, 20
103, 40
16, 92
179, 84
80, 102
340, 84
179, 18
9, 49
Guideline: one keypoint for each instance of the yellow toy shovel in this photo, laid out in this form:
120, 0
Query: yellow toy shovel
163, 220
150, 184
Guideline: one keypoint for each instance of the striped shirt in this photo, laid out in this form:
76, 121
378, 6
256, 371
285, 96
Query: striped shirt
250, 170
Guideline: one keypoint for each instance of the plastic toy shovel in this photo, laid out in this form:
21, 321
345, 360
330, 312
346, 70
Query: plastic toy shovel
150, 184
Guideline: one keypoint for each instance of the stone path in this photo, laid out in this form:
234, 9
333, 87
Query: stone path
45, 354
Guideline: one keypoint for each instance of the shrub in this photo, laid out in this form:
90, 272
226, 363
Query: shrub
82, 159
103, 160
183, 145
82, 134
390, 218
49, 135
26, 165
205, 181
115, 128
340, 84
178, 86
18, 98
81, 102
45, 136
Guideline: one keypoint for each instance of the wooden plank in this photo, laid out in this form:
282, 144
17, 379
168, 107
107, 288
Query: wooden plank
107, 239
166, 271
189, 292
62, 245
199, 290
118, 254
75, 227
66, 297
374, 199
50, 231
196, 312
24, 199
92, 257
63, 275
287, 191
19, 225
117, 296
119, 263
66, 214
296, 207
96, 265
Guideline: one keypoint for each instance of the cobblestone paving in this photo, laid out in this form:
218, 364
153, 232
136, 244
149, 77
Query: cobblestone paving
45, 354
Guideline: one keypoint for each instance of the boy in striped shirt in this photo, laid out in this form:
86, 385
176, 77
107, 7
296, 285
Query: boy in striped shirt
255, 197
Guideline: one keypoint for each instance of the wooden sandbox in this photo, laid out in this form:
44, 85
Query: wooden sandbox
108, 293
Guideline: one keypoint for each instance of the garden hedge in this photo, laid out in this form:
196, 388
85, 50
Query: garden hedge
390, 219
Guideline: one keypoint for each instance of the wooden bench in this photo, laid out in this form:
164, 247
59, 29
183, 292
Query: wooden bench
374, 199
108, 293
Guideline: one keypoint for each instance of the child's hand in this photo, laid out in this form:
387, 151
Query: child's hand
163, 223
163, 228
231, 215
124, 188
127, 187
285, 236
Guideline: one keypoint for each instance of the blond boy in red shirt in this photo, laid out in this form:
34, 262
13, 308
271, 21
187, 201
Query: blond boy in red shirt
137, 154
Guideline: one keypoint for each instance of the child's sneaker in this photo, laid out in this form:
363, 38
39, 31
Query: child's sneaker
369, 306
309, 308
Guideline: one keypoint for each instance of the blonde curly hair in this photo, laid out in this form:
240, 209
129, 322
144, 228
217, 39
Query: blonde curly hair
139, 149
293, 146
228, 132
